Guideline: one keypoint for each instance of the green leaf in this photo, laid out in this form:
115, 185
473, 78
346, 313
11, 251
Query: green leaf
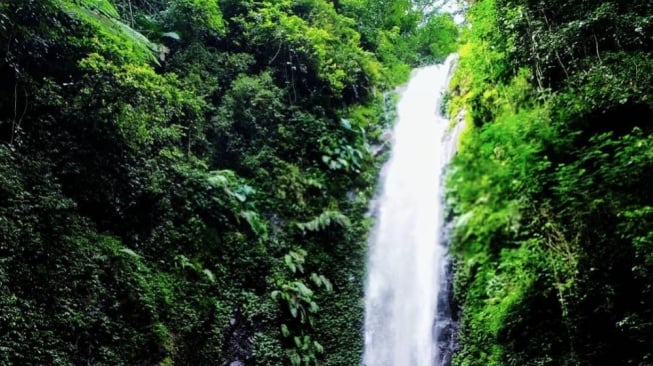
293, 309
130, 253
295, 359
284, 330
325, 219
303, 289
318, 347
172, 35
220, 178
209, 275
314, 308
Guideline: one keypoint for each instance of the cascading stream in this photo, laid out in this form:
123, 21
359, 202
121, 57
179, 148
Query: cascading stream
407, 265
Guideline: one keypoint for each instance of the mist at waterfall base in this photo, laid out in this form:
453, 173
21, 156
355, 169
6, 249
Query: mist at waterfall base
407, 314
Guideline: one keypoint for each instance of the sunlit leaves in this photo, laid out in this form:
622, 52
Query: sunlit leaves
152, 105
102, 14
195, 18
312, 38
549, 183
205, 171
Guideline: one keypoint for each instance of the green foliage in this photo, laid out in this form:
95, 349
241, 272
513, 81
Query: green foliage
165, 166
152, 106
324, 220
302, 307
550, 188
440, 35
195, 18
102, 15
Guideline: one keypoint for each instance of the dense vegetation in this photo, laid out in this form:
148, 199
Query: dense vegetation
551, 190
186, 181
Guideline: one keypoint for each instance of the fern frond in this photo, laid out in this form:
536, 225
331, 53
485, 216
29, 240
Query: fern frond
101, 13
102, 6
324, 220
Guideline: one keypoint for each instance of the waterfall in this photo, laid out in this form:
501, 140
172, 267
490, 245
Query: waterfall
407, 284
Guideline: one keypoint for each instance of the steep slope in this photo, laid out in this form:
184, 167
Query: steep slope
551, 189
186, 181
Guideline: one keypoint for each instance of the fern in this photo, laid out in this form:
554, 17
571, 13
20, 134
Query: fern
101, 13
326, 219
255, 222
101, 6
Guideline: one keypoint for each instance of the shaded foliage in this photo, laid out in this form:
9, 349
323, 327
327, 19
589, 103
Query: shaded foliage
550, 189
186, 181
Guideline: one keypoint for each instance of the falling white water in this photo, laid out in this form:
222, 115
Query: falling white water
406, 263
